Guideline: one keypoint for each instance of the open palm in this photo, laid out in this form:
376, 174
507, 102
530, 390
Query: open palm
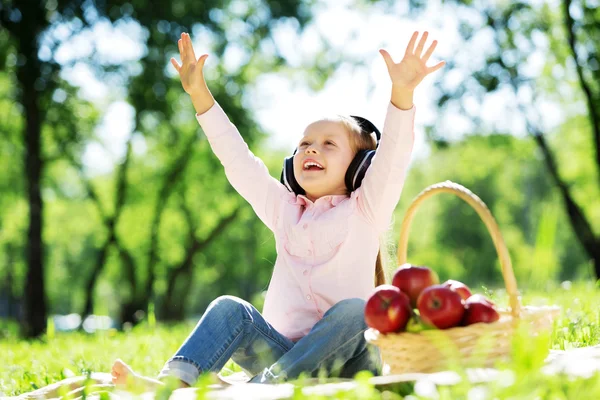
413, 68
190, 70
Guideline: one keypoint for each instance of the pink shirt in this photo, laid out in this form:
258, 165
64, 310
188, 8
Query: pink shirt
326, 250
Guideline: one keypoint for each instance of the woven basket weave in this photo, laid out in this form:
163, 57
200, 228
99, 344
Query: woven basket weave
477, 345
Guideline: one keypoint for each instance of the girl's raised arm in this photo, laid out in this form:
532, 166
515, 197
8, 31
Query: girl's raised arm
381, 188
246, 172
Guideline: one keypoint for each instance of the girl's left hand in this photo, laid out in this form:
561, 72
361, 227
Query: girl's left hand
409, 72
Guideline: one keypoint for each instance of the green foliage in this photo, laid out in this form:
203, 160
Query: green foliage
566, 73
148, 195
448, 235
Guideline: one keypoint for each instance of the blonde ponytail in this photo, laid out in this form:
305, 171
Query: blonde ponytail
379, 272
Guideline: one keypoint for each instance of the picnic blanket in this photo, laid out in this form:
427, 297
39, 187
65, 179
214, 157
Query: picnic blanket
581, 362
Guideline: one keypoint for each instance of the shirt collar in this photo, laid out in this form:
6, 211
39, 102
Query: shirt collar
334, 200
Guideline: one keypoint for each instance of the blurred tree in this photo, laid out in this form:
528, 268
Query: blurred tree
449, 236
29, 30
24, 30
179, 277
515, 34
38, 100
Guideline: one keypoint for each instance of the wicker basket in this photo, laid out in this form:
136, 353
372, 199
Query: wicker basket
477, 345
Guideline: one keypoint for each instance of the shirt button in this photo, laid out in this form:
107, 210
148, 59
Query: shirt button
308, 297
305, 226
305, 272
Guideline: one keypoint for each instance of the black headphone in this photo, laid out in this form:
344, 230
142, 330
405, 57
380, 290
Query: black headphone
356, 170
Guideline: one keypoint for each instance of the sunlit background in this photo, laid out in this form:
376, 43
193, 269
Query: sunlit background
284, 106
157, 233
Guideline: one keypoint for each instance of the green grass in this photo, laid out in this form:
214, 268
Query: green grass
27, 365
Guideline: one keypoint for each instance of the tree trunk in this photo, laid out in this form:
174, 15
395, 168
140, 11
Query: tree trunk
174, 305
91, 282
173, 309
591, 97
34, 323
596, 259
129, 312
133, 304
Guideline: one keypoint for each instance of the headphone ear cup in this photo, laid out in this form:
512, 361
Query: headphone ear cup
288, 179
358, 168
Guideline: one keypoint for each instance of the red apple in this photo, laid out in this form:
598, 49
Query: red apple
479, 309
388, 309
412, 279
440, 306
459, 287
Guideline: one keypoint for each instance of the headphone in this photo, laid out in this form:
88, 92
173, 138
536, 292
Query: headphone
356, 170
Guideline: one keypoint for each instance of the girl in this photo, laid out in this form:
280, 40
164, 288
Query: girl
336, 196
326, 217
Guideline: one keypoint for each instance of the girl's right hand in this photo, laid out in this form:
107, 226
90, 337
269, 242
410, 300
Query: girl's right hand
190, 72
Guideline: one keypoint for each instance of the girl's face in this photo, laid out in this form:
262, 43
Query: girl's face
326, 143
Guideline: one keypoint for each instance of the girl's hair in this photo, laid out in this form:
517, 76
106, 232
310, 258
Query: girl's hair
361, 140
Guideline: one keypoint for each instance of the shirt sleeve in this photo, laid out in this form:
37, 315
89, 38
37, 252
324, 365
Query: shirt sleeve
247, 173
382, 185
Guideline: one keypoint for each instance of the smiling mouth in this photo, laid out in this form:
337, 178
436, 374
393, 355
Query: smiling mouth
312, 166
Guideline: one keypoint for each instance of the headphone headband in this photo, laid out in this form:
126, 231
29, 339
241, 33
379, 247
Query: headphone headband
367, 126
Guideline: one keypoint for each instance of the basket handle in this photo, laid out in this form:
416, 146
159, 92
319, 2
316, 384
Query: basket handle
474, 201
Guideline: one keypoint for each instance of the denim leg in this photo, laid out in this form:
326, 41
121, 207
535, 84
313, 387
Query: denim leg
336, 344
369, 359
230, 328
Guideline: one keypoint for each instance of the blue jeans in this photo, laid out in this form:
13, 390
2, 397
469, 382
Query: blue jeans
233, 328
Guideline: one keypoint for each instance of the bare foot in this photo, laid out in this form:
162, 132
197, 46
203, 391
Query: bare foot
123, 375
120, 372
